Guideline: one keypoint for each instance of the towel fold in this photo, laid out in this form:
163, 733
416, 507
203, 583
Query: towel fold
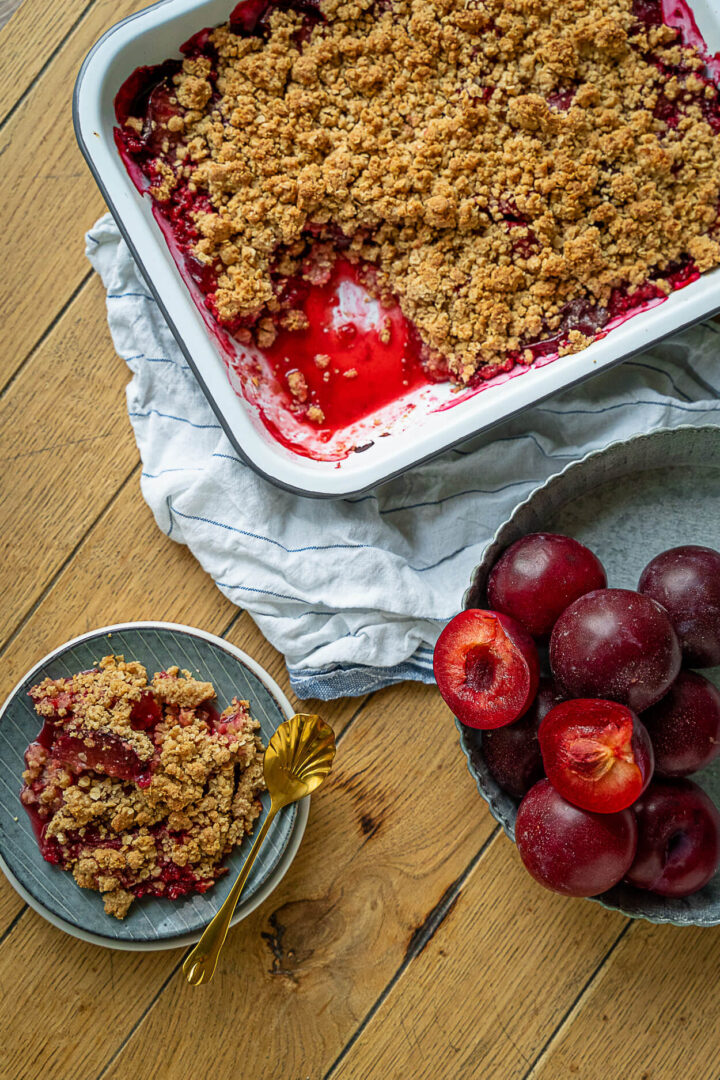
355, 596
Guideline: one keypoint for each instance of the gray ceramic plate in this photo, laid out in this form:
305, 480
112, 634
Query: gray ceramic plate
627, 502
150, 924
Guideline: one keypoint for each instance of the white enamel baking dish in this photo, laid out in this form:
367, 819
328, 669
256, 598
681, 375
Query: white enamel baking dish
439, 418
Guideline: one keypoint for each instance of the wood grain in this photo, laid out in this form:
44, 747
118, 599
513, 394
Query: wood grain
377, 859
653, 1013
120, 572
49, 196
33, 33
10, 906
467, 1008
55, 420
95, 994
401, 943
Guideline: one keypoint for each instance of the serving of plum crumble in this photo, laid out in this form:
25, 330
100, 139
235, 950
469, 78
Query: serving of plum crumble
140, 788
506, 177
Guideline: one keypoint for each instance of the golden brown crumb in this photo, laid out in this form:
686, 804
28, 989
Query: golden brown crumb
316, 414
298, 385
492, 162
193, 799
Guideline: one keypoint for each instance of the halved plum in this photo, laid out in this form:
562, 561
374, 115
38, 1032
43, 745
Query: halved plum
538, 576
569, 850
597, 754
512, 753
487, 668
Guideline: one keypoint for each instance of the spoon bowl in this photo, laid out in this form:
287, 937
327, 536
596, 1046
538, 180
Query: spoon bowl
298, 759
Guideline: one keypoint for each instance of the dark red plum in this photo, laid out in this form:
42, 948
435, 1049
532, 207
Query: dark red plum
686, 581
678, 847
684, 726
596, 753
512, 753
616, 644
538, 576
569, 850
486, 668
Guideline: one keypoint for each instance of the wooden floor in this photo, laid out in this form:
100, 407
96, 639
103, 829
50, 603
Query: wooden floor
406, 941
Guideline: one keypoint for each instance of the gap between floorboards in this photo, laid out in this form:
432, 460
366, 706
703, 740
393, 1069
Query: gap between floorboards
61, 44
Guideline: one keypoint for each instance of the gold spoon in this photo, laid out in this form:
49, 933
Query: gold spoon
298, 758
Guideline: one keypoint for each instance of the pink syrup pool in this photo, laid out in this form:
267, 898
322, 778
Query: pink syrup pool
375, 371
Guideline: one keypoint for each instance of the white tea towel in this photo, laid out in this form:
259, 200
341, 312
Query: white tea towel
355, 592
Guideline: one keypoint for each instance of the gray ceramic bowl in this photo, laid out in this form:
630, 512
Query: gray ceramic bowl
151, 923
627, 502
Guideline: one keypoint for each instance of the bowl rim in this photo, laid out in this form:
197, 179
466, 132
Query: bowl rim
298, 828
490, 552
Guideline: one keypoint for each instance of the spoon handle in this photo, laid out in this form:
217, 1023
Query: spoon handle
200, 965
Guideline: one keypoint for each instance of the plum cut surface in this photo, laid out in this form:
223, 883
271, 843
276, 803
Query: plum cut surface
486, 667
596, 753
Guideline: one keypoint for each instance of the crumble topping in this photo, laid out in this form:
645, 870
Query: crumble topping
140, 788
501, 167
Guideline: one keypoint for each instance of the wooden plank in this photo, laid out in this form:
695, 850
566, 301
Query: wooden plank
396, 825
492, 984
49, 196
50, 1029
7, 10
10, 904
126, 569
29, 39
653, 1013
65, 446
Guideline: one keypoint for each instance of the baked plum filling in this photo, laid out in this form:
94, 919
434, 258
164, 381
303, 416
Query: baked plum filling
504, 199
140, 788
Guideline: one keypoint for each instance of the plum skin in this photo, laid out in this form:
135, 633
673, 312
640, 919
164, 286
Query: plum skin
569, 850
615, 644
512, 753
538, 576
486, 667
686, 581
684, 726
597, 754
678, 848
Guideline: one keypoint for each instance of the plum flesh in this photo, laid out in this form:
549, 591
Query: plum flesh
486, 668
597, 754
